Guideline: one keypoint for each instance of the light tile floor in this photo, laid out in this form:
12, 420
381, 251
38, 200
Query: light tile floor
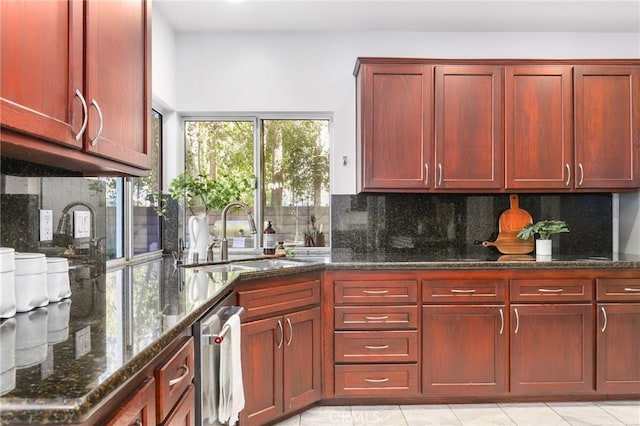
609, 413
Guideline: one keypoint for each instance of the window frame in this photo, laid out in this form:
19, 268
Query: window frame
257, 118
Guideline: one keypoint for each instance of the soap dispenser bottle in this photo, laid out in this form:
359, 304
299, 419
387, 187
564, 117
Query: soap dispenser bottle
269, 240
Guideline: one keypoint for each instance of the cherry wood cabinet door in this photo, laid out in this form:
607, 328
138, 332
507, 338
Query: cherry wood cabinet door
117, 83
184, 413
468, 127
539, 127
394, 125
41, 58
607, 125
262, 361
140, 407
552, 349
618, 348
302, 359
464, 350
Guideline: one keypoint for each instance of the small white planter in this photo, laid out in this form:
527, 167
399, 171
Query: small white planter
543, 250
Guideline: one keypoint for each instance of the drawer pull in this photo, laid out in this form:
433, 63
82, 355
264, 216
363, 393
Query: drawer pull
281, 334
632, 290
374, 348
468, 291
386, 379
517, 320
375, 291
181, 378
501, 321
290, 332
85, 115
381, 318
550, 290
604, 316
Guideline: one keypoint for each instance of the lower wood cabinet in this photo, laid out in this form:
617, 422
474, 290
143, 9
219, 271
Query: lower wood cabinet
140, 409
281, 354
464, 350
618, 335
552, 349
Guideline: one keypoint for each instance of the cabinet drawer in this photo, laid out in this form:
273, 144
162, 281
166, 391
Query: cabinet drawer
376, 380
269, 300
375, 318
173, 378
365, 292
551, 290
376, 346
447, 291
185, 410
611, 289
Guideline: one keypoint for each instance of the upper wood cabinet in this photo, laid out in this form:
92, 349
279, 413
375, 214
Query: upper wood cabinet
42, 69
539, 127
607, 121
75, 90
468, 127
394, 126
436, 125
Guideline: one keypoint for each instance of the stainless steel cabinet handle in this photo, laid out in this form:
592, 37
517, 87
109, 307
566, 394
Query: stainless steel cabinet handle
439, 174
604, 316
568, 174
376, 348
94, 104
550, 290
517, 320
375, 291
386, 379
471, 290
632, 290
182, 377
85, 115
581, 174
380, 318
426, 174
501, 321
281, 334
290, 331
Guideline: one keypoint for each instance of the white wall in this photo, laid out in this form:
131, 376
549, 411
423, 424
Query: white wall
243, 72
312, 72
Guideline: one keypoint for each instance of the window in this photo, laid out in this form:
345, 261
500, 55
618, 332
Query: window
289, 161
133, 225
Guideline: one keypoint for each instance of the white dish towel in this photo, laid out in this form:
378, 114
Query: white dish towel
231, 387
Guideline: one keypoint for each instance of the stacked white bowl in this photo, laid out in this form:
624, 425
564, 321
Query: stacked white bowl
58, 287
31, 338
31, 281
58, 321
7, 282
7, 355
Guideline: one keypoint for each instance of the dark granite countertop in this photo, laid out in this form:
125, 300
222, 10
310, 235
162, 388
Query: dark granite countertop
68, 357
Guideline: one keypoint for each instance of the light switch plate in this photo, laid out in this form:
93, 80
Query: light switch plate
82, 342
81, 224
46, 225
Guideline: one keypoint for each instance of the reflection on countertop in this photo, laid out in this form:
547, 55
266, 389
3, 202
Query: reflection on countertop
60, 362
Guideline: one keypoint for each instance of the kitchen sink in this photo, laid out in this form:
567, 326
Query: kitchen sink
270, 264
227, 267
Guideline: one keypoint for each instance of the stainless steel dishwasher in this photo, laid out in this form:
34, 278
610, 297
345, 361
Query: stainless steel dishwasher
208, 333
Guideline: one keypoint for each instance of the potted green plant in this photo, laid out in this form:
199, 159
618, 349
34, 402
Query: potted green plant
201, 194
544, 229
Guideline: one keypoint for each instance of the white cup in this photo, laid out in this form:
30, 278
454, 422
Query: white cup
58, 286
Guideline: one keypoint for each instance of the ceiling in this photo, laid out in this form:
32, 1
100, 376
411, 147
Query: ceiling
402, 15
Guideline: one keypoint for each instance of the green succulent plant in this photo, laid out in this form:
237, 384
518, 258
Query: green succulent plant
544, 228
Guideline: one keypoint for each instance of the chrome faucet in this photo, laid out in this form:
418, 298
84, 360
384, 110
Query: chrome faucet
224, 249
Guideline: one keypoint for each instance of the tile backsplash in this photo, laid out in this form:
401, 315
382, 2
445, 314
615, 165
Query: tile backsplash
455, 224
